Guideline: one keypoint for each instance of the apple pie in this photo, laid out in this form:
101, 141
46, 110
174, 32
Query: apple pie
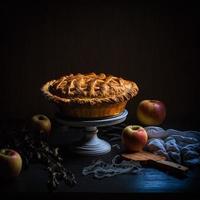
90, 95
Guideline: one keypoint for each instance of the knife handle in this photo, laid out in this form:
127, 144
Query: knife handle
171, 166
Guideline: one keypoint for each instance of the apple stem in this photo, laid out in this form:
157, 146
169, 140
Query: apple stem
7, 152
135, 127
41, 118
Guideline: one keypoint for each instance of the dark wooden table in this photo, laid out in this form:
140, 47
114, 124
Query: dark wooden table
150, 181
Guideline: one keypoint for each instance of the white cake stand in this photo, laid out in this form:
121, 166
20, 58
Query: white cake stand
91, 144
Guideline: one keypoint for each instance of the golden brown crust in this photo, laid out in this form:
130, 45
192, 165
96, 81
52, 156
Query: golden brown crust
91, 89
90, 111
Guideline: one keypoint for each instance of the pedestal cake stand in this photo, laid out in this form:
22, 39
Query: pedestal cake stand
91, 144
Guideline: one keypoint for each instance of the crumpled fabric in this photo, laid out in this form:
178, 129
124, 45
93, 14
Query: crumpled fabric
101, 169
182, 147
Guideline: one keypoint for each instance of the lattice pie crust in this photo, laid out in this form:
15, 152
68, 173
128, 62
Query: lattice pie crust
90, 95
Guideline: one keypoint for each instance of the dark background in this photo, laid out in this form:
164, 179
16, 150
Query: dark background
154, 45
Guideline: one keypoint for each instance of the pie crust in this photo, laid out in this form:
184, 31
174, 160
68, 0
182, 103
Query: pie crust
90, 95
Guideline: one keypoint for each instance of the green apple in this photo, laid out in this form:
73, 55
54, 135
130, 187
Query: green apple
41, 123
10, 163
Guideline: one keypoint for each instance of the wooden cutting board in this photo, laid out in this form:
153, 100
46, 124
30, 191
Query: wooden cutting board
155, 160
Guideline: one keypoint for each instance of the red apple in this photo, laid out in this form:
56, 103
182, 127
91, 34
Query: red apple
151, 112
134, 138
10, 163
41, 123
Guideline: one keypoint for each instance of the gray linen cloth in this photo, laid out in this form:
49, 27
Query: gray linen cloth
182, 147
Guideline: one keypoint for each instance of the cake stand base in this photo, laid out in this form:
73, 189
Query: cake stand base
91, 144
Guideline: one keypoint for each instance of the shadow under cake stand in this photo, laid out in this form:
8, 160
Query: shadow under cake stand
91, 144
